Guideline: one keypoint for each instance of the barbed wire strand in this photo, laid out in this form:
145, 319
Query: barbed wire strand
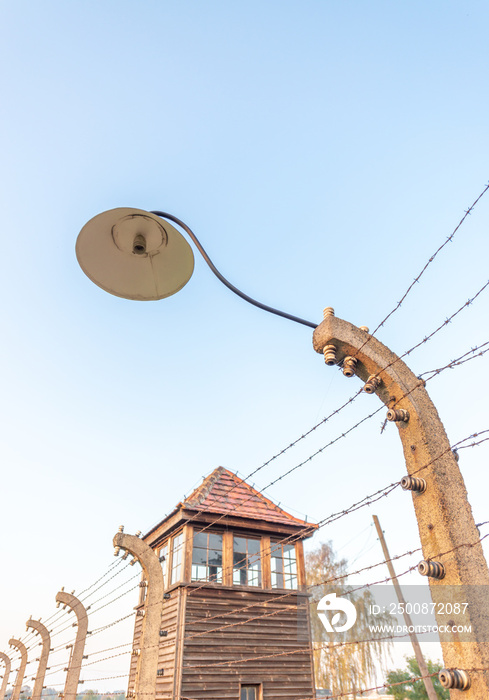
431, 259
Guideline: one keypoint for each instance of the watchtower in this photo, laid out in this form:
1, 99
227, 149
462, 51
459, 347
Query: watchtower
235, 622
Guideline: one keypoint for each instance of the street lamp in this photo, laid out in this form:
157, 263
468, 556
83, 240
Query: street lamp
140, 255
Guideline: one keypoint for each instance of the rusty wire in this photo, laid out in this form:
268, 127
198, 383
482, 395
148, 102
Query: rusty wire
340, 514
459, 360
383, 492
430, 260
60, 613
105, 604
92, 680
320, 450
366, 501
344, 405
303, 650
98, 630
333, 579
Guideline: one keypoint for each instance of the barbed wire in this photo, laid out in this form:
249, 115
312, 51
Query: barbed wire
368, 500
98, 630
391, 486
61, 613
137, 575
332, 442
458, 360
92, 612
301, 650
339, 409
329, 580
365, 501
94, 680
106, 582
432, 334
430, 260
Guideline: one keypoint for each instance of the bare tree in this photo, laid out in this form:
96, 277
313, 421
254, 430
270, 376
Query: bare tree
347, 661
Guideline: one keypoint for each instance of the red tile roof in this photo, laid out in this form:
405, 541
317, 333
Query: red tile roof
225, 493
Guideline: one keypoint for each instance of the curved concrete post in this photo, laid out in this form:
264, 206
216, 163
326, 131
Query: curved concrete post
444, 516
43, 660
147, 661
20, 673
6, 661
76, 657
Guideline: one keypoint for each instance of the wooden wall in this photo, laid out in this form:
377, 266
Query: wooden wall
284, 629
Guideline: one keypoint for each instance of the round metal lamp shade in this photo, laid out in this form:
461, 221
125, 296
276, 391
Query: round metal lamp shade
134, 254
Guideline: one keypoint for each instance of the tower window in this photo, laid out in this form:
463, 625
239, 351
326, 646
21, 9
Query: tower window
283, 565
176, 558
207, 557
246, 562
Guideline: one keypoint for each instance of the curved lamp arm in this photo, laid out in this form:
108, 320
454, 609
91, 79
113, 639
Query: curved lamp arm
228, 284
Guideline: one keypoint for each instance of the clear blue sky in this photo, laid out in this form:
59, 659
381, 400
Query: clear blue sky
322, 151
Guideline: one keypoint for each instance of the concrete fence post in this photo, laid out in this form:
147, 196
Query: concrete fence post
6, 675
20, 673
147, 660
76, 657
37, 626
446, 525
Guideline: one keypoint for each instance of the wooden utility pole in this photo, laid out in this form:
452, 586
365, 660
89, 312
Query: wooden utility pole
453, 555
428, 683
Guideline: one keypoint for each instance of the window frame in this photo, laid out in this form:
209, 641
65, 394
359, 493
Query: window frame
258, 557
276, 547
171, 558
256, 686
219, 577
